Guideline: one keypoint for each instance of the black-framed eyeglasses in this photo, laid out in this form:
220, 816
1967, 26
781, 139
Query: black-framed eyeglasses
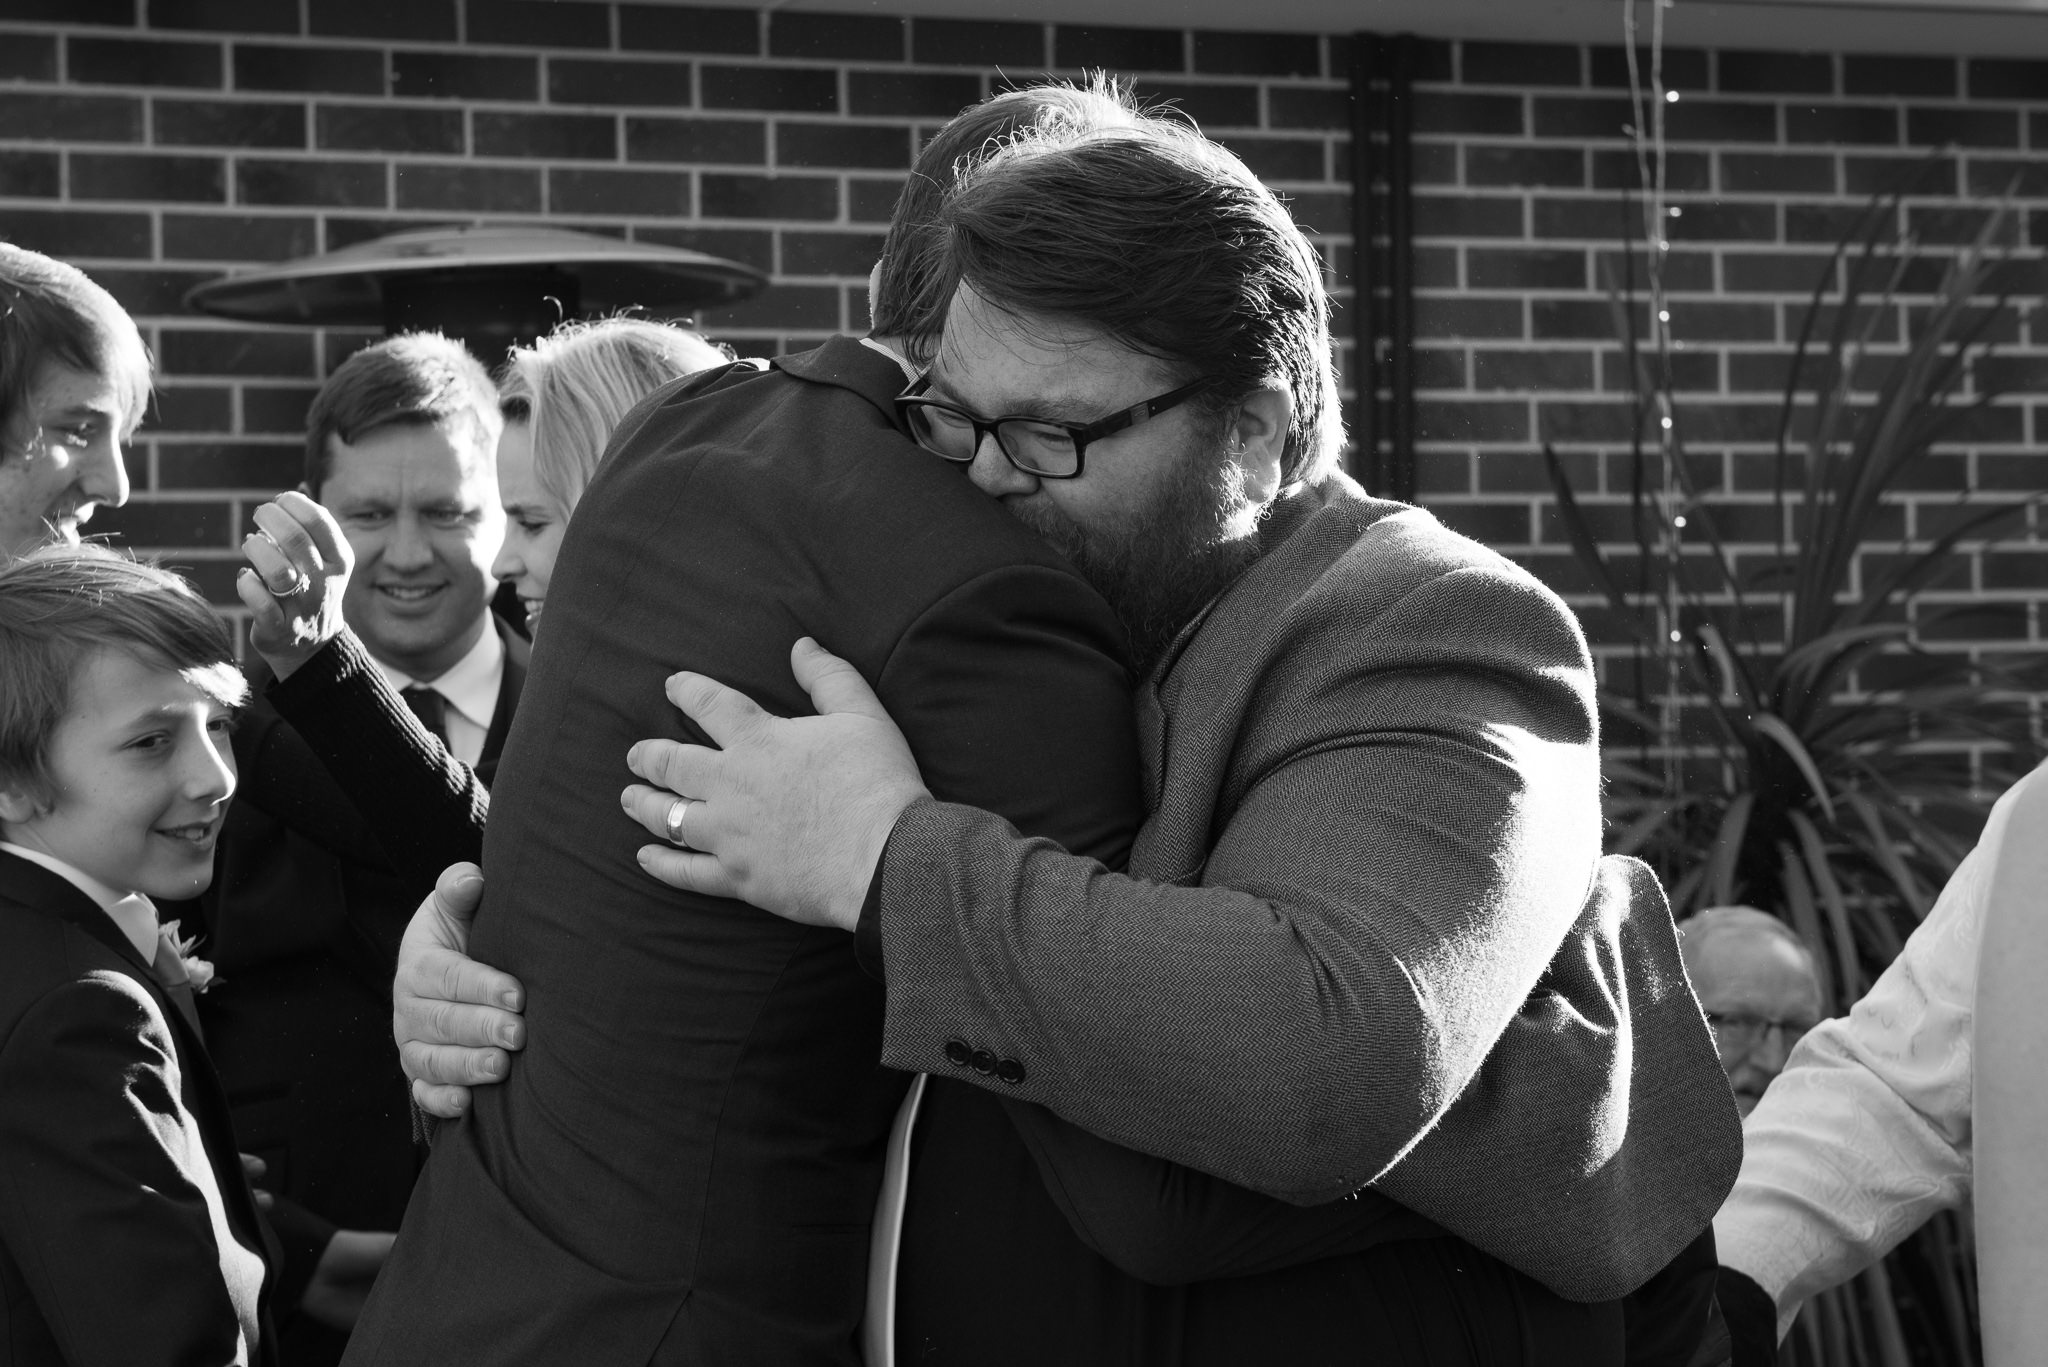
1744, 1033
1037, 446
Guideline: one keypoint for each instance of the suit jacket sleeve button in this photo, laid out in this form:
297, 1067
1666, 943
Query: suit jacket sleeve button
958, 1054
1010, 1071
983, 1062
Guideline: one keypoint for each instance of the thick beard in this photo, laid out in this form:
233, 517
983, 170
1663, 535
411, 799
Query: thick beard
1161, 565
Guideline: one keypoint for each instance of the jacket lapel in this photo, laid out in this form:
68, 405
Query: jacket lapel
510, 681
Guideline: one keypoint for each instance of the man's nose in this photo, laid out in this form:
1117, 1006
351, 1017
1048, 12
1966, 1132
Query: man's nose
104, 474
993, 474
210, 773
407, 547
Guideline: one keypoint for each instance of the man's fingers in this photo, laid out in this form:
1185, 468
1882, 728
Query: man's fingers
321, 529
685, 770
458, 892
289, 536
686, 871
431, 978
725, 713
650, 807
274, 569
424, 1020
452, 1065
446, 1102
834, 685
267, 618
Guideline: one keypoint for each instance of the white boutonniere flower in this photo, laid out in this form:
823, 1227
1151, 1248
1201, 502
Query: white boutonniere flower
187, 965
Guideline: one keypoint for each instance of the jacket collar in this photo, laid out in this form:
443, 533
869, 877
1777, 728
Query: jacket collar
846, 363
53, 894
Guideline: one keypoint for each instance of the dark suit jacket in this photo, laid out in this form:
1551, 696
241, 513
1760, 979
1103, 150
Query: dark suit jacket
128, 1235
304, 916
1368, 937
683, 1164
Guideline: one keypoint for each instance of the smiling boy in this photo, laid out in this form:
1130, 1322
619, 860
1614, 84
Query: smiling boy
128, 1233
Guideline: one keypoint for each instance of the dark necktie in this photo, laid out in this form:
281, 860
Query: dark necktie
430, 707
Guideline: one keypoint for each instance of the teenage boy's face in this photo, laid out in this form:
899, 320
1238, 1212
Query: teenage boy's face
140, 775
75, 425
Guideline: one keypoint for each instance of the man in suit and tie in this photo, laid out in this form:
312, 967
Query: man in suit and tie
307, 907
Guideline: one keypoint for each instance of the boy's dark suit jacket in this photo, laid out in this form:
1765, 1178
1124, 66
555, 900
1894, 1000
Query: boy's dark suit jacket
683, 1164
304, 918
128, 1235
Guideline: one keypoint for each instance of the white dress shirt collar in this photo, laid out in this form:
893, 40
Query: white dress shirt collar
909, 370
131, 911
470, 688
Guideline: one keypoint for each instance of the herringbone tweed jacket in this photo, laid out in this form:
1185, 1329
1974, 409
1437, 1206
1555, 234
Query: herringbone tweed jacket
1366, 936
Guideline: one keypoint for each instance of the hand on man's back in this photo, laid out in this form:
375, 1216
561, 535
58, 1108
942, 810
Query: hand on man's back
455, 1020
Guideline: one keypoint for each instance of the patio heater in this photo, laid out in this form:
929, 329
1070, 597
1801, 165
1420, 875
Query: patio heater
490, 287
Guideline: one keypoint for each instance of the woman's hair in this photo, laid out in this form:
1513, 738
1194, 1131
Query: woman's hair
51, 313
59, 604
579, 380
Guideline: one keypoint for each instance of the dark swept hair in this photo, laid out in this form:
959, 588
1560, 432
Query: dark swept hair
1169, 244
910, 293
60, 603
416, 379
50, 311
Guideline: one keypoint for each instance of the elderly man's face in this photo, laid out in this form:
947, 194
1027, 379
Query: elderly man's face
1159, 518
1759, 993
75, 423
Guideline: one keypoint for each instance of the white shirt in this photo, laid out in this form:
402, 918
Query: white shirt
469, 687
1866, 1134
131, 911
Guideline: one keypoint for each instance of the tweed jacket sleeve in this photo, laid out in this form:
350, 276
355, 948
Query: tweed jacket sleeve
1367, 921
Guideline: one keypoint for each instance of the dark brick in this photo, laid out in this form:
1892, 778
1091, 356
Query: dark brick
871, 201
431, 21
28, 57
117, 13
2007, 78
1602, 219
1601, 116
804, 197
1584, 422
1320, 211
1618, 169
1970, 127
850, 145
190, 408
1437, 368
1773, 272
224, 16
1520, 64
321, 70
1995, 177
1574, 320
1684, 68
1305, 107
469, 189
1441, 472
1776, 73
1691, 372
345, 230
1919, 175
1432, 163
1729, 423
229, 465
1889, 75
1531, 370
647, 194
1118, 49
329, 184
143, 61
1467, 216
1211, 104
1721, 121
228, 123
1524, 268
1684, 271
1563, 167
1773, 172
1463, 420
538, 23
750, 246
2015, 569
155, 524
784, 306
800, 89
2012, 374
1885, 331
464, 76
276, 408
1731, 221
921, 94
687, 28
234, 237
70, 118
388, 128
73, 233
1864, 124
977, 42
149, 292
1495, 524
185, 180
742, 142
1465, 318
848, 254
1820, 222
1272, 159
1440, 111
1258, 54
1704, 321
1947, 224
30, 175
552, 137
235, 351
574, 80
835, 37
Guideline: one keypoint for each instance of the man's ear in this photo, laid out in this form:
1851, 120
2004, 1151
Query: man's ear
1258, 440
18, 806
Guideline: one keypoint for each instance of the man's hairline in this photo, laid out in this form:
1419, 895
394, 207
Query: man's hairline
486, 453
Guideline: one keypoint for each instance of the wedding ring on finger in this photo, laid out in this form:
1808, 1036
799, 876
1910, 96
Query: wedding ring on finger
299, 583
672, 824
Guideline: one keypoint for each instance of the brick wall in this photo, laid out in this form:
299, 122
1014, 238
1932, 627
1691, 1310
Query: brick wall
161, 142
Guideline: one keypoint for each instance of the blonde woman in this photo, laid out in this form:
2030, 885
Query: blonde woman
562, 398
